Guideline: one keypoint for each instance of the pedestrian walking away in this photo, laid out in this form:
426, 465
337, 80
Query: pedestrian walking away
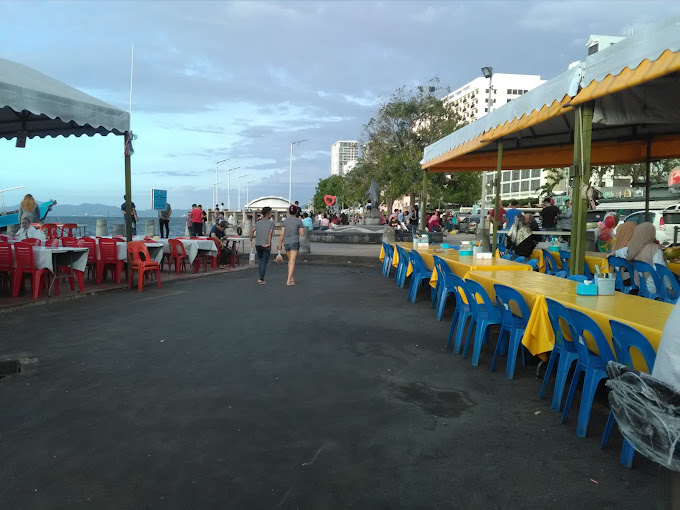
263, 232
164, 220
291, 230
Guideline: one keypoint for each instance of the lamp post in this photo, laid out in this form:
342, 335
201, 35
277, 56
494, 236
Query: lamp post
290, 177
248, 192
241, 177
488, 73
229, 171
217, 178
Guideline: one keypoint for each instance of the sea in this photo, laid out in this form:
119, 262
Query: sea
177, 224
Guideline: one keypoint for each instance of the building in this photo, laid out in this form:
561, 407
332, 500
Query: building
599, 42
344, 156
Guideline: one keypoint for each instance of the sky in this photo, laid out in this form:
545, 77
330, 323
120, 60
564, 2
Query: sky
242, 80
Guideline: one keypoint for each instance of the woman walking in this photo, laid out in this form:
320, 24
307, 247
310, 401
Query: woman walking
263, 231
291, 230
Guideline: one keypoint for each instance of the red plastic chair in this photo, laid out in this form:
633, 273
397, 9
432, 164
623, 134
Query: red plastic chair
70, 241
6, 264
26, 266
91, 245
142, 263
68, 229
178, 254
52, 242
3, 238
215, 260
108, 257
32, 241
50, 230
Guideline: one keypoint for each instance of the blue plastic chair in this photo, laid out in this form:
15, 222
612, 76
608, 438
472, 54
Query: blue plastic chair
564, 350
513, 325
587, 271
507, 256
533, 263
592, 366
461, 313
420, 274
625, 338
669, 282
641, 269
485, 314
561, 274
402, 266
387, 261
564, 259
443, 289
619, 265
577, 278
550, 264
520, 259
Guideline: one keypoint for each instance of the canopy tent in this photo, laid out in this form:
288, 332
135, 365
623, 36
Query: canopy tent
619, 106
33, 104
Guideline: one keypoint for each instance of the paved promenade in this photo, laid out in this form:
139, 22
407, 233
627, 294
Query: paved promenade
336, 393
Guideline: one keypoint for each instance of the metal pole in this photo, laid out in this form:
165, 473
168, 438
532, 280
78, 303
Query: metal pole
290, 176
128, 189
647, 179
482, 210
498, 195
228, 191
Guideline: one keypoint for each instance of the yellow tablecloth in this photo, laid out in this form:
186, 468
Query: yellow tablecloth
674, 267
461, 266
645, 315
593, 258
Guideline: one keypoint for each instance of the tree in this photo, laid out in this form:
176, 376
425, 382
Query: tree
554, 177
333, 185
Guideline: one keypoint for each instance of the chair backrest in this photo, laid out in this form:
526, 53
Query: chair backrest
473, 290
403, 255
70, 241
218, 245
507, 296
520, 259
3, 238
418, 262
625, 338
561, 274
577, 278
550, 265
565, 256
177, 248
24, 255
561, 325
619, 264
138, 251
50, 229
533, 263
441, 265
33, 241
389, 251
641, 269
6, 258
91, 245
68, 229
669, 283
581, 325
507, 256
455, 282
108, 251
52, 242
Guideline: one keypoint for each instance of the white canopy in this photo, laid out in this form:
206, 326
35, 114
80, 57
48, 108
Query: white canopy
42, 106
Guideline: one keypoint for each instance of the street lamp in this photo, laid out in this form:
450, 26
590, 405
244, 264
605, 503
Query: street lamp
229, 171
217, 165
488, 73
240, 178
290, 178
247, 191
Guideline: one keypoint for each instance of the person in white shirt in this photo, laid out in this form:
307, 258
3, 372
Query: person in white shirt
28, 232
643, 247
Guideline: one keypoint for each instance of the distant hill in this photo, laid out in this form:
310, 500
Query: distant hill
100, 210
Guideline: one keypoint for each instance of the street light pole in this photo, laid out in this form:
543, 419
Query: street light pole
217, 178
229, 171
488, 73
241, 177
290, 177
248, 191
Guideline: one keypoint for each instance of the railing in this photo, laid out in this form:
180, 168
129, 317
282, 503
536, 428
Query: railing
2, 196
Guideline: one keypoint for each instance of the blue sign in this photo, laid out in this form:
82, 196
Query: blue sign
159, 199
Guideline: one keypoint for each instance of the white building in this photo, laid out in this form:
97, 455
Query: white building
599, 42
344, 156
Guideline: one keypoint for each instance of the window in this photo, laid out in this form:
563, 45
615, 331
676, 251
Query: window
487, 91
535, 184
506, 188
509, 91
506, 176
515, 187
514, 91
515, 175
508, 101
525, 174
535, 172
526, 91
486, 110
524, 186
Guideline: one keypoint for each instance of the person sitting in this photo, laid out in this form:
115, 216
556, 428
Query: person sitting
433, 223
521, 237
624, 233
644, 247
307, 221
324, 223
217, 233
29, 232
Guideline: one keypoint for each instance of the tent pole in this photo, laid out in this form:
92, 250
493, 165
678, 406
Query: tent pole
647, 179
128, 190
582, 140
498, 196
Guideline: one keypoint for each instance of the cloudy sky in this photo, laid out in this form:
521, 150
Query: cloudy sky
242, 80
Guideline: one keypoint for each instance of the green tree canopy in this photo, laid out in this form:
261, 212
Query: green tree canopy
333, 185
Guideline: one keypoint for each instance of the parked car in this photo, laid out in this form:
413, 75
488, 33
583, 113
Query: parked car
671, 220
664, 233
468, 224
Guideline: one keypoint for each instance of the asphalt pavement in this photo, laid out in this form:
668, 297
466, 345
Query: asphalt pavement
335, 393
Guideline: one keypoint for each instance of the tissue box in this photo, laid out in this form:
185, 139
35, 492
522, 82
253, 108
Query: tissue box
465, 253
584, 289
605, 286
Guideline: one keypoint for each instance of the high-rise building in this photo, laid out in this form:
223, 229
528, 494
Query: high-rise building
344, 155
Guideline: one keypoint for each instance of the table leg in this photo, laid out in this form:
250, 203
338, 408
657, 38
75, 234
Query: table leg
80, 279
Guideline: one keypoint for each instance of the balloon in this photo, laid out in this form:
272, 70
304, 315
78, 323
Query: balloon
609, 221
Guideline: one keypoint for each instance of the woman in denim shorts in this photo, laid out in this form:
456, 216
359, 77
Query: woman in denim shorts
291, 230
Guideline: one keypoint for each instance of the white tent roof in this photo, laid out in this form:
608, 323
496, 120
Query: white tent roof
276, 203
42, 106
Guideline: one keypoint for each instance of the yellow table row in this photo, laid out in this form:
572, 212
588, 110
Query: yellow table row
593, 258
645, 315
674, 267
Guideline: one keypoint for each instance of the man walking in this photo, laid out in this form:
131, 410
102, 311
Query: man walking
164, 220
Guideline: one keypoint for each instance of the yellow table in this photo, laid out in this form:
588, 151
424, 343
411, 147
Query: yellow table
674, 267
593, 258
645, 315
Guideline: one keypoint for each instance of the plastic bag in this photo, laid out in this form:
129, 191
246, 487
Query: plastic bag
279, 258
251, 259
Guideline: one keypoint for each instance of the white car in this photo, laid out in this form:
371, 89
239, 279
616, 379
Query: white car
665, 223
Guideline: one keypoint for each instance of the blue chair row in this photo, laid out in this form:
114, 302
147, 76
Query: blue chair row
387, 261
628, 273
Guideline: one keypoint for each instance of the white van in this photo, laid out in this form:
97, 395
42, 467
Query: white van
666, 222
